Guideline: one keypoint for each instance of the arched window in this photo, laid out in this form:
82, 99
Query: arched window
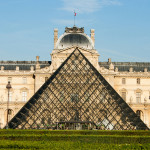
139, 113
123, 94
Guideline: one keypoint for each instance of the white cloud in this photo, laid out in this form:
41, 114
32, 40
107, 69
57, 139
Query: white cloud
87, 6
109, 2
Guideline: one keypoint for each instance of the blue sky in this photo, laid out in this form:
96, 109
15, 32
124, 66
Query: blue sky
122, 27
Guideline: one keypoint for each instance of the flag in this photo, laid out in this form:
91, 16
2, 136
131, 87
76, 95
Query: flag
75, 13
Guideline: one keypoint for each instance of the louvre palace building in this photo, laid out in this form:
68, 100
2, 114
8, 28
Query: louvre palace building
74, 90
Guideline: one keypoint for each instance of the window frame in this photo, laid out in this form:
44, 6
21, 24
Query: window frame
138, 81
24, 96
24, 80
138, 97
124, 95
123, 80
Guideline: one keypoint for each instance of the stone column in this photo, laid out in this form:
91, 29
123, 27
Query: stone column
93, 36
37, 63
55, 37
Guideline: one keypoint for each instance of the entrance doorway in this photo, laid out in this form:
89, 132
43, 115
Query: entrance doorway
76, 125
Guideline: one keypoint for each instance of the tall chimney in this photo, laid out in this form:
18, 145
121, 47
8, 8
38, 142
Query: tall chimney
37, 58
37, 63
93, 35
55, 37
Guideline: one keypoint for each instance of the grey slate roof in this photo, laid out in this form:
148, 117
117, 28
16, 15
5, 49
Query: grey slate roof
125, 66
122, 66
23, 65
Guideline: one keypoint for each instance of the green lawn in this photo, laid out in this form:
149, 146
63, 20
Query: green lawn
74, 140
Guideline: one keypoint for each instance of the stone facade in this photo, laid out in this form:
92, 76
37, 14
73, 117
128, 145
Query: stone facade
131, 80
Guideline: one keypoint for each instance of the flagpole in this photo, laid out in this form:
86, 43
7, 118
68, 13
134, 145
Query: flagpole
74, 18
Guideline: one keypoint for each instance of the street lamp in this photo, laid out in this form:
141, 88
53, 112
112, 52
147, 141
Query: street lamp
8, 86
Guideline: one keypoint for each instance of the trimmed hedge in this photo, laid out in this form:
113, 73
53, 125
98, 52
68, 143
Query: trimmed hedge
102, 140
115, 139
77, 132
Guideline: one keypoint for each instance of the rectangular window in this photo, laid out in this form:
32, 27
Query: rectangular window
123, 81
123, 95
24, 96
138, 81
24, 80
138, 97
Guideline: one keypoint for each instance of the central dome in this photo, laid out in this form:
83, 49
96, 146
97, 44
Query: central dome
74, 37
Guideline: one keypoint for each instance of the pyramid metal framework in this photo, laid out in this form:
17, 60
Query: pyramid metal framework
76, 93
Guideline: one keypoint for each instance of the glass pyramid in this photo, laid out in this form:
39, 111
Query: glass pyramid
76, 96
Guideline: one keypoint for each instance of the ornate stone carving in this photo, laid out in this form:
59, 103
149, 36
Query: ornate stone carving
46, 69
111, 67
74, 30
116, 69
131, 69
2, 98
131, 99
